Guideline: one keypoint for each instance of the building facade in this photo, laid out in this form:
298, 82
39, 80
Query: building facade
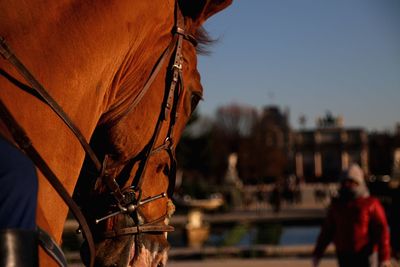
321, 154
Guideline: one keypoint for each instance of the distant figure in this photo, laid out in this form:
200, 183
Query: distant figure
231, 175
356, 223
394, 222
276, 198
232, 181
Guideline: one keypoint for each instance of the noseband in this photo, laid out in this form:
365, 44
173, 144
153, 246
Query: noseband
127, 201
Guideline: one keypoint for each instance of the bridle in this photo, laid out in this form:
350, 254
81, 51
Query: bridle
127, 200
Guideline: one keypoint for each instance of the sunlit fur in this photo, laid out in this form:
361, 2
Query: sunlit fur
94, 57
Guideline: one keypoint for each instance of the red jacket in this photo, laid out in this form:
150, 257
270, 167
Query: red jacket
355, 226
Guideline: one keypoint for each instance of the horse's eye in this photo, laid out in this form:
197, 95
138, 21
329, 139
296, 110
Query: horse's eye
166, 170
194, 101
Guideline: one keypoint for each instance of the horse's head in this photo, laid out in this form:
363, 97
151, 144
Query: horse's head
131, 204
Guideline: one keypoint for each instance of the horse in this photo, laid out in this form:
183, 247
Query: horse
125, 74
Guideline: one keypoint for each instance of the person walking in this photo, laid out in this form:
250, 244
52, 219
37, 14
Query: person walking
356, 224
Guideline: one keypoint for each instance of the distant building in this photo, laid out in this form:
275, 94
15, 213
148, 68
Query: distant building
384, 153
321, 154
269, 150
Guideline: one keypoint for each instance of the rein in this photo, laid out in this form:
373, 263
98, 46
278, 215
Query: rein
126, 204
25, 144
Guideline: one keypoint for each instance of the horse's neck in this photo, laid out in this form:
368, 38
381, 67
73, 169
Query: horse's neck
88, 56
75, 50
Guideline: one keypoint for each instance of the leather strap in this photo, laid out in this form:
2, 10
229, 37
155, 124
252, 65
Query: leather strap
25, 144
138, 229
170, 101
51, 247
148, 83
9, 55
110, 182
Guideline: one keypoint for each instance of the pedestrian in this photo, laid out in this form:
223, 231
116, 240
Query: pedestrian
394, 222
356, 224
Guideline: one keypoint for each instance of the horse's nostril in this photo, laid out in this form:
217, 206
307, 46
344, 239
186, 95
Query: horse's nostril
160, 264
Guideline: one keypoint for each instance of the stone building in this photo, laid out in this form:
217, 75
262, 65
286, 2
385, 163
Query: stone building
321, 154
384, 153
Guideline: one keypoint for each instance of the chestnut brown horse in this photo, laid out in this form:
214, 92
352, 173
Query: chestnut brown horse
110, 65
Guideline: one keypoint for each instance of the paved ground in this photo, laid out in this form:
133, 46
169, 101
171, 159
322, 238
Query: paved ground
305, 262
294, 262
266, 262
288, 262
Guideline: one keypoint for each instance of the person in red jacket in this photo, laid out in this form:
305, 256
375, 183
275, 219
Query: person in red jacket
356, 224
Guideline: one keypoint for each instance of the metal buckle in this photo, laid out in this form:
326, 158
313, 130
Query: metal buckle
177, 66
130, 208
180, 31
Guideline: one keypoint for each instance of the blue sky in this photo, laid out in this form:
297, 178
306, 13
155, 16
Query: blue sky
310, 56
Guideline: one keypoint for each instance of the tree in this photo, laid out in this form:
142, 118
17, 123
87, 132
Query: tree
233, 125
259, 140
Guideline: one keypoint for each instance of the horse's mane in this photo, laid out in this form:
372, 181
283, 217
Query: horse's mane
204, 41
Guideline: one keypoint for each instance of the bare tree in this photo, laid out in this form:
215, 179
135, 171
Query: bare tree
236, 120
233, 125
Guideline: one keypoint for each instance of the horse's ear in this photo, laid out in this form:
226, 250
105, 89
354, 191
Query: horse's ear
201, 10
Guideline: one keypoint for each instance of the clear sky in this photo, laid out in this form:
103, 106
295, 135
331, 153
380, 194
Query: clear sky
310, 56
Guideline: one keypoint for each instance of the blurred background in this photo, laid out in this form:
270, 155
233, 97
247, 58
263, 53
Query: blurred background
294, 92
